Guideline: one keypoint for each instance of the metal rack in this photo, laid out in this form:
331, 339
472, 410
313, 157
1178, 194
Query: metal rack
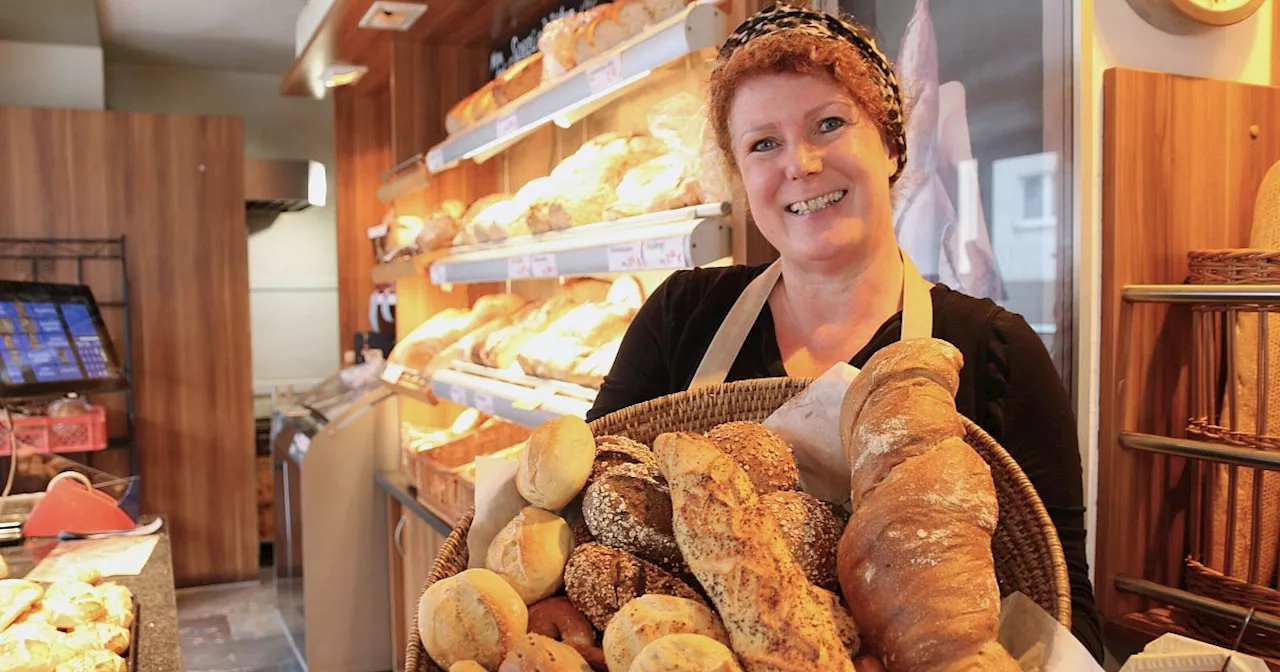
1233, 300
39, 253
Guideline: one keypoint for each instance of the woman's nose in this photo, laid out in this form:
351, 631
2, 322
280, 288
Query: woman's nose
803, 161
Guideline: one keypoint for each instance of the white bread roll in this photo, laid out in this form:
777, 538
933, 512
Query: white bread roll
531, 552
475, 615
649, 618
556, 463
467, 666
536, 653
686, 653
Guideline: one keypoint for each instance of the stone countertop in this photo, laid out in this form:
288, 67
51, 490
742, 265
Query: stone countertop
157, 648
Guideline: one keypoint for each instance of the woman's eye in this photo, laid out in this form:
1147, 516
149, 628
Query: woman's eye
831, 124
763, 145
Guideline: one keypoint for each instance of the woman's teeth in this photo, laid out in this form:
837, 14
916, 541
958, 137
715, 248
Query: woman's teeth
816, 204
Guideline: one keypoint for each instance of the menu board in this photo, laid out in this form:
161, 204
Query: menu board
52, 340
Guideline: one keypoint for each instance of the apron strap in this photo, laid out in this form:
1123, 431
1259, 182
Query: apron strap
917, 320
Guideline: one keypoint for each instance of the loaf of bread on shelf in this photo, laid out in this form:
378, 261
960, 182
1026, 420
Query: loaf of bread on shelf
633, 15
734, 547
518, 79
606, 158
554, 352
441, 226
556, 45
468, 231
924, 513
590, 371
663, 9
661, 183
502, 347
575, 204
600, 32
443, 329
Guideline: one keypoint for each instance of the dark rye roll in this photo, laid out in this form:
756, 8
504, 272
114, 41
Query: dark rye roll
612, 451
600, 580
629, 508
812, 531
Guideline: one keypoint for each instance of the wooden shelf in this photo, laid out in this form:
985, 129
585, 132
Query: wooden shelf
699, 26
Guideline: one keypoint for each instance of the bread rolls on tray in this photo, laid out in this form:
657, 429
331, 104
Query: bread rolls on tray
925, 510
776, 619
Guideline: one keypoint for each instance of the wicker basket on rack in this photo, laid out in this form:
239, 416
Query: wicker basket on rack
1027, 551
1235, 401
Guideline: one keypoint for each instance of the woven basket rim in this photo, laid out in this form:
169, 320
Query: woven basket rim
453, 556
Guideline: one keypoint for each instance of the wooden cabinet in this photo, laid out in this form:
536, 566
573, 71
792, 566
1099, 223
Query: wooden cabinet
414, 547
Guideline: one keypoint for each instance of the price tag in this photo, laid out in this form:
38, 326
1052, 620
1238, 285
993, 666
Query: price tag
435, 160
519, 267
625, 257
303, 441
458, 395
544, 266
665, 253
392, 373
378, 231
484, 403
606, 75
507, 125
437, 274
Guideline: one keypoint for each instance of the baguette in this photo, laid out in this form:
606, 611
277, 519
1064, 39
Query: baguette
924, 512
776, 619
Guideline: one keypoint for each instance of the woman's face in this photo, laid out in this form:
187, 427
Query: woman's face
815, 168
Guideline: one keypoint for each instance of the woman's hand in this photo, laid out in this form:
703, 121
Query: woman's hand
867, 664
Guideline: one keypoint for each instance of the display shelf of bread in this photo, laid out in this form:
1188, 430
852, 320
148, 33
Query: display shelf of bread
441, 462
582, 59
701, 551
76, 624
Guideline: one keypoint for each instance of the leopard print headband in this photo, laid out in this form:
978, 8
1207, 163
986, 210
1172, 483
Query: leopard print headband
780, 17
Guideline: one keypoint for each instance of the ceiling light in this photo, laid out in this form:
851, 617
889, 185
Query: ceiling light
342, 74
386, 15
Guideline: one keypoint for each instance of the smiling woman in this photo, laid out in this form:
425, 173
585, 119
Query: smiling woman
807, 110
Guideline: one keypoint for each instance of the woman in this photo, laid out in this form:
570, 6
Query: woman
808, 112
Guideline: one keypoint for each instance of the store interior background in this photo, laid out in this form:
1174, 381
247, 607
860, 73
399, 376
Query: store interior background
227, 58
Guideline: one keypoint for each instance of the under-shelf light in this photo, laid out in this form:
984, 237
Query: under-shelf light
571, 115
342, 74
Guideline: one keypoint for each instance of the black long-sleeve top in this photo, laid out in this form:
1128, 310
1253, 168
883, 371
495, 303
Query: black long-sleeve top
1008, 386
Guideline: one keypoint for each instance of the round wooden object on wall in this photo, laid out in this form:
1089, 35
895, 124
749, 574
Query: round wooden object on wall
1188, 16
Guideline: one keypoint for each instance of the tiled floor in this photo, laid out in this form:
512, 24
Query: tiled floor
234, 628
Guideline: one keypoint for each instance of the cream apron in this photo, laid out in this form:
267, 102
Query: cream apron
917, 320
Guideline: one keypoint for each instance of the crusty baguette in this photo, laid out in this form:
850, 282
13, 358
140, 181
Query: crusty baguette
915, 561
777, 620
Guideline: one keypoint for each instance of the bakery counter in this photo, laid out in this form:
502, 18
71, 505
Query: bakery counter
396, 484
157, 647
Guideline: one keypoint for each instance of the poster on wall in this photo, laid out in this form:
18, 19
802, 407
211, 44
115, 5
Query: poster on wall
984, 203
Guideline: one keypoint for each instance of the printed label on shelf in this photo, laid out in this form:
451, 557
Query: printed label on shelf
435, 160
518, 267
392, 373
378, 231
544, 266
507, 125
625, 257
458, 395
437, 274
606, 75
665, 253
484, 403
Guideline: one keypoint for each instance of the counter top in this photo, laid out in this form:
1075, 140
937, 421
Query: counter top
157, 648
396, 484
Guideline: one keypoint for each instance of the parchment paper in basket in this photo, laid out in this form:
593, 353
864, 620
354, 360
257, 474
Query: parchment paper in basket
1039, 642
497, 503
810, 422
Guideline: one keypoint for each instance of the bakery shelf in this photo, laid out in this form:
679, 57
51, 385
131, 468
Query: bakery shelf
699, 26
684, 238
528, 406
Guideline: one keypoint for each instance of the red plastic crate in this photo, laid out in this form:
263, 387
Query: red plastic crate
64, 434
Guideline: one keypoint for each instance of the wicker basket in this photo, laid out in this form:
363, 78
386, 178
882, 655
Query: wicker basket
1026, 548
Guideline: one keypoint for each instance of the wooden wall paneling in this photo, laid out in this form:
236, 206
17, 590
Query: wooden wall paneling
426, 81
1180, 173
174, 186
362, 143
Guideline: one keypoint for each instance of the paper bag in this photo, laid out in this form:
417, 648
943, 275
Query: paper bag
1038, 641
1175, 653
810, 422
497, 503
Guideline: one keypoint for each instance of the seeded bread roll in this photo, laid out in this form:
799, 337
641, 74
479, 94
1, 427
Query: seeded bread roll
600, 580
629, 508
612, 451
765, 456
811, 530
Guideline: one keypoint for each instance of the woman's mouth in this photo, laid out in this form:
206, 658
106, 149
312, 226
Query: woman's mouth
815, 204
